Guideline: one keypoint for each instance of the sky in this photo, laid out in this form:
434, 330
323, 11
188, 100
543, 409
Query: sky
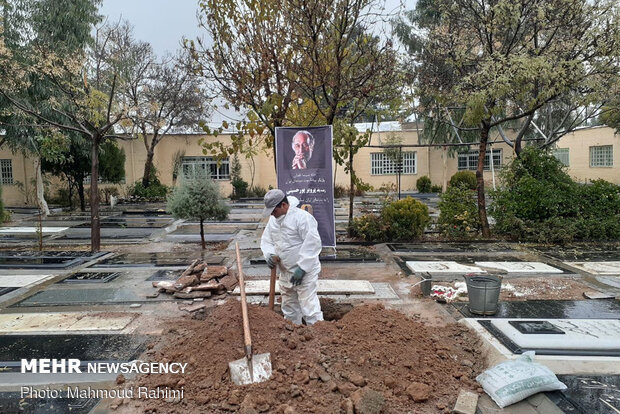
162, 23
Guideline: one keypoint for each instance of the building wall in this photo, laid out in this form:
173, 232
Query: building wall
578, 144
22, 191
437, 163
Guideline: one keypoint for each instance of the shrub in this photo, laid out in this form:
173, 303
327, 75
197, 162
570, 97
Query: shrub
436, 189
5, 216
458, 212
540, 202
240, 188
466, 179
423, 184
405, 219
339, 191
257, 192
156, 191
369, 227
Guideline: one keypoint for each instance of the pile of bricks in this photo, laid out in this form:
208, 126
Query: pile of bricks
200, 281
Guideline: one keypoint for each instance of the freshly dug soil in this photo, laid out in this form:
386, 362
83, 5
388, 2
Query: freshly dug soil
373, 359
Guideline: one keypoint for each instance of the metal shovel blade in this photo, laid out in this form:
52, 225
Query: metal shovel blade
257, 369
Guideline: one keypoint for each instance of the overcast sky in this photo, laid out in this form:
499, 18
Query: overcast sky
163, 23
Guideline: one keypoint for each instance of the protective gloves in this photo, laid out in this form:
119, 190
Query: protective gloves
272, 260
298, 274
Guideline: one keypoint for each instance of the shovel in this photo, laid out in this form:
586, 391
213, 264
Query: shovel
252, 368
272, 286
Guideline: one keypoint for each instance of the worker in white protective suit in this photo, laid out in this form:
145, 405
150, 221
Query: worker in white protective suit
291, 242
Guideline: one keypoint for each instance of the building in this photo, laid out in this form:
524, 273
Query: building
589, 153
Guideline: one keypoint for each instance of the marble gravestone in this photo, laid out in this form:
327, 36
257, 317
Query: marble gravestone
442, 267
520, 267
598, 268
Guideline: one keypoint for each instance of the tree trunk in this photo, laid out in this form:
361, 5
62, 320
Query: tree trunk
70, 193
351, 187
95, 231
148, 166
44, 209
80, 184
482, 210
202, 234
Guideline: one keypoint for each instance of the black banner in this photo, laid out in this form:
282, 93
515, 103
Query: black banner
304, 166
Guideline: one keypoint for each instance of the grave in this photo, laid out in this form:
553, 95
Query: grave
17, 281
11, 402
31, 230
124, 225
108, 233
442, 267
5, 290
44, 260
598, 268
587, 252
325, 287
580, 337
95, 347
340, 256
195, 238
520, 267
382, 292
147, 213
441, 248
589, 394
13, 323
91, 277
165, 275
37, 262
551, 309
159, 259
75, 297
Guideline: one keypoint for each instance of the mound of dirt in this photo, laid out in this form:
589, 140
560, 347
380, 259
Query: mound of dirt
372, 360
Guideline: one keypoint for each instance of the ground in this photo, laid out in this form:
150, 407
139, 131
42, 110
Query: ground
398, 354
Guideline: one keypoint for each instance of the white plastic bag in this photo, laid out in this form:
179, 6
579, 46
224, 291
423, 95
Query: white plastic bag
512, 381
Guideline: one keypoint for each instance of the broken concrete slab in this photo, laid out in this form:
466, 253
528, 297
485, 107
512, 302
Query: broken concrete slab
193, 308
192, 295
466, 402
325, 287
595, 294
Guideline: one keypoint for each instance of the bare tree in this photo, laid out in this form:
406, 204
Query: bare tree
165, 96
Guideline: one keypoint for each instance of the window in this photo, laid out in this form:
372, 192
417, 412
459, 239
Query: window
381, 164
602, 156
562, 155
218, 170
469, 160
6, 172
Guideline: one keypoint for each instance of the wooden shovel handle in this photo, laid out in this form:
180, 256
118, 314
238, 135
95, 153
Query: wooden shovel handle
272, 287
247, 338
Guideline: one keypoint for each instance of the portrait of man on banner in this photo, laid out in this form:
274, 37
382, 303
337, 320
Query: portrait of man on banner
306, 151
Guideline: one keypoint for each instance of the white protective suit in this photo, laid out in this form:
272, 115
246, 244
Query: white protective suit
295, 239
